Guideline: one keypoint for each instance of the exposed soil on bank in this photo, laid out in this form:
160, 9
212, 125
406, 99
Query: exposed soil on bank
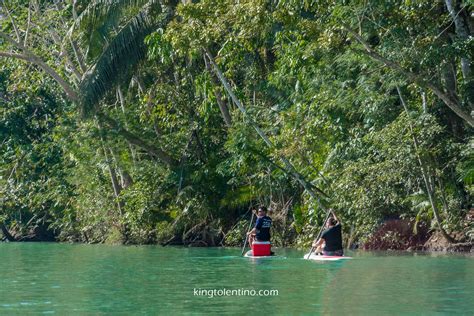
438, 243
403, 235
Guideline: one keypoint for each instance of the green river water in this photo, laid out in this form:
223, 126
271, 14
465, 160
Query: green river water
64, 279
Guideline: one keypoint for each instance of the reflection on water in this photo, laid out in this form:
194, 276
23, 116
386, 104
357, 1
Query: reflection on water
61, 278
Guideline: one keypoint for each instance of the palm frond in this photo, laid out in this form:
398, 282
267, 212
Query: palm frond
105, 11
466, 171
418, 200
98, 19
118, 59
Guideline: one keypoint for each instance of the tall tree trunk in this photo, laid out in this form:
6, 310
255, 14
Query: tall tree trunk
112, 172
427, 178
462, 32
312, 190
448, 73
125, 178
122, 107
149, 110
117, 188
220, 102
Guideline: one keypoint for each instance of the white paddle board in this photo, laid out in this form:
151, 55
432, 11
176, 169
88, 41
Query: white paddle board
248, 254
325, 258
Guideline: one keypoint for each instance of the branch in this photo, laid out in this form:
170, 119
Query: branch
290, 169
64, 52
451, 102
73, 96
79, 56
33, 58
17, 32
6, 233
16, 56
27, 25
220, 102
133, 139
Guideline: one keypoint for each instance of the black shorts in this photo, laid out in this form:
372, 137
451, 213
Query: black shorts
333, 253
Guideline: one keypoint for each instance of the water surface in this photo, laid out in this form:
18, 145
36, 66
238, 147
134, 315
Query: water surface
48, 278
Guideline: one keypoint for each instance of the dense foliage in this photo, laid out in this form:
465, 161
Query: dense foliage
165, 121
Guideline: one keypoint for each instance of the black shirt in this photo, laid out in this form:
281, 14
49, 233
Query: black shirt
263, 225
333, 238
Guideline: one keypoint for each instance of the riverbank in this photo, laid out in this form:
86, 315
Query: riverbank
391, 234
434, 243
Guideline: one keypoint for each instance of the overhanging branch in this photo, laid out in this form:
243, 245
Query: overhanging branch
451, 102
33, 58
135, 140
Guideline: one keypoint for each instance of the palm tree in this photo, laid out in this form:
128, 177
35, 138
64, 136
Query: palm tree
111, 34
107, 41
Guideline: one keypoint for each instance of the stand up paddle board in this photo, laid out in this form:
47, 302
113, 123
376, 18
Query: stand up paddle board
325, 258
248, 254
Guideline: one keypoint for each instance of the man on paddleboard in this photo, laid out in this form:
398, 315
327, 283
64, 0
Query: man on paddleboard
261, 231
331, 238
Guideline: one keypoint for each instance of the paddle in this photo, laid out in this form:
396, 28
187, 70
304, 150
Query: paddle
246, 237
319, 234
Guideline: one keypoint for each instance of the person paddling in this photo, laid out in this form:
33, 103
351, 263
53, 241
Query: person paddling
331, 238
261, 231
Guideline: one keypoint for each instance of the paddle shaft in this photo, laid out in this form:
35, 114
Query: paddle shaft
319, 234
246, 237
